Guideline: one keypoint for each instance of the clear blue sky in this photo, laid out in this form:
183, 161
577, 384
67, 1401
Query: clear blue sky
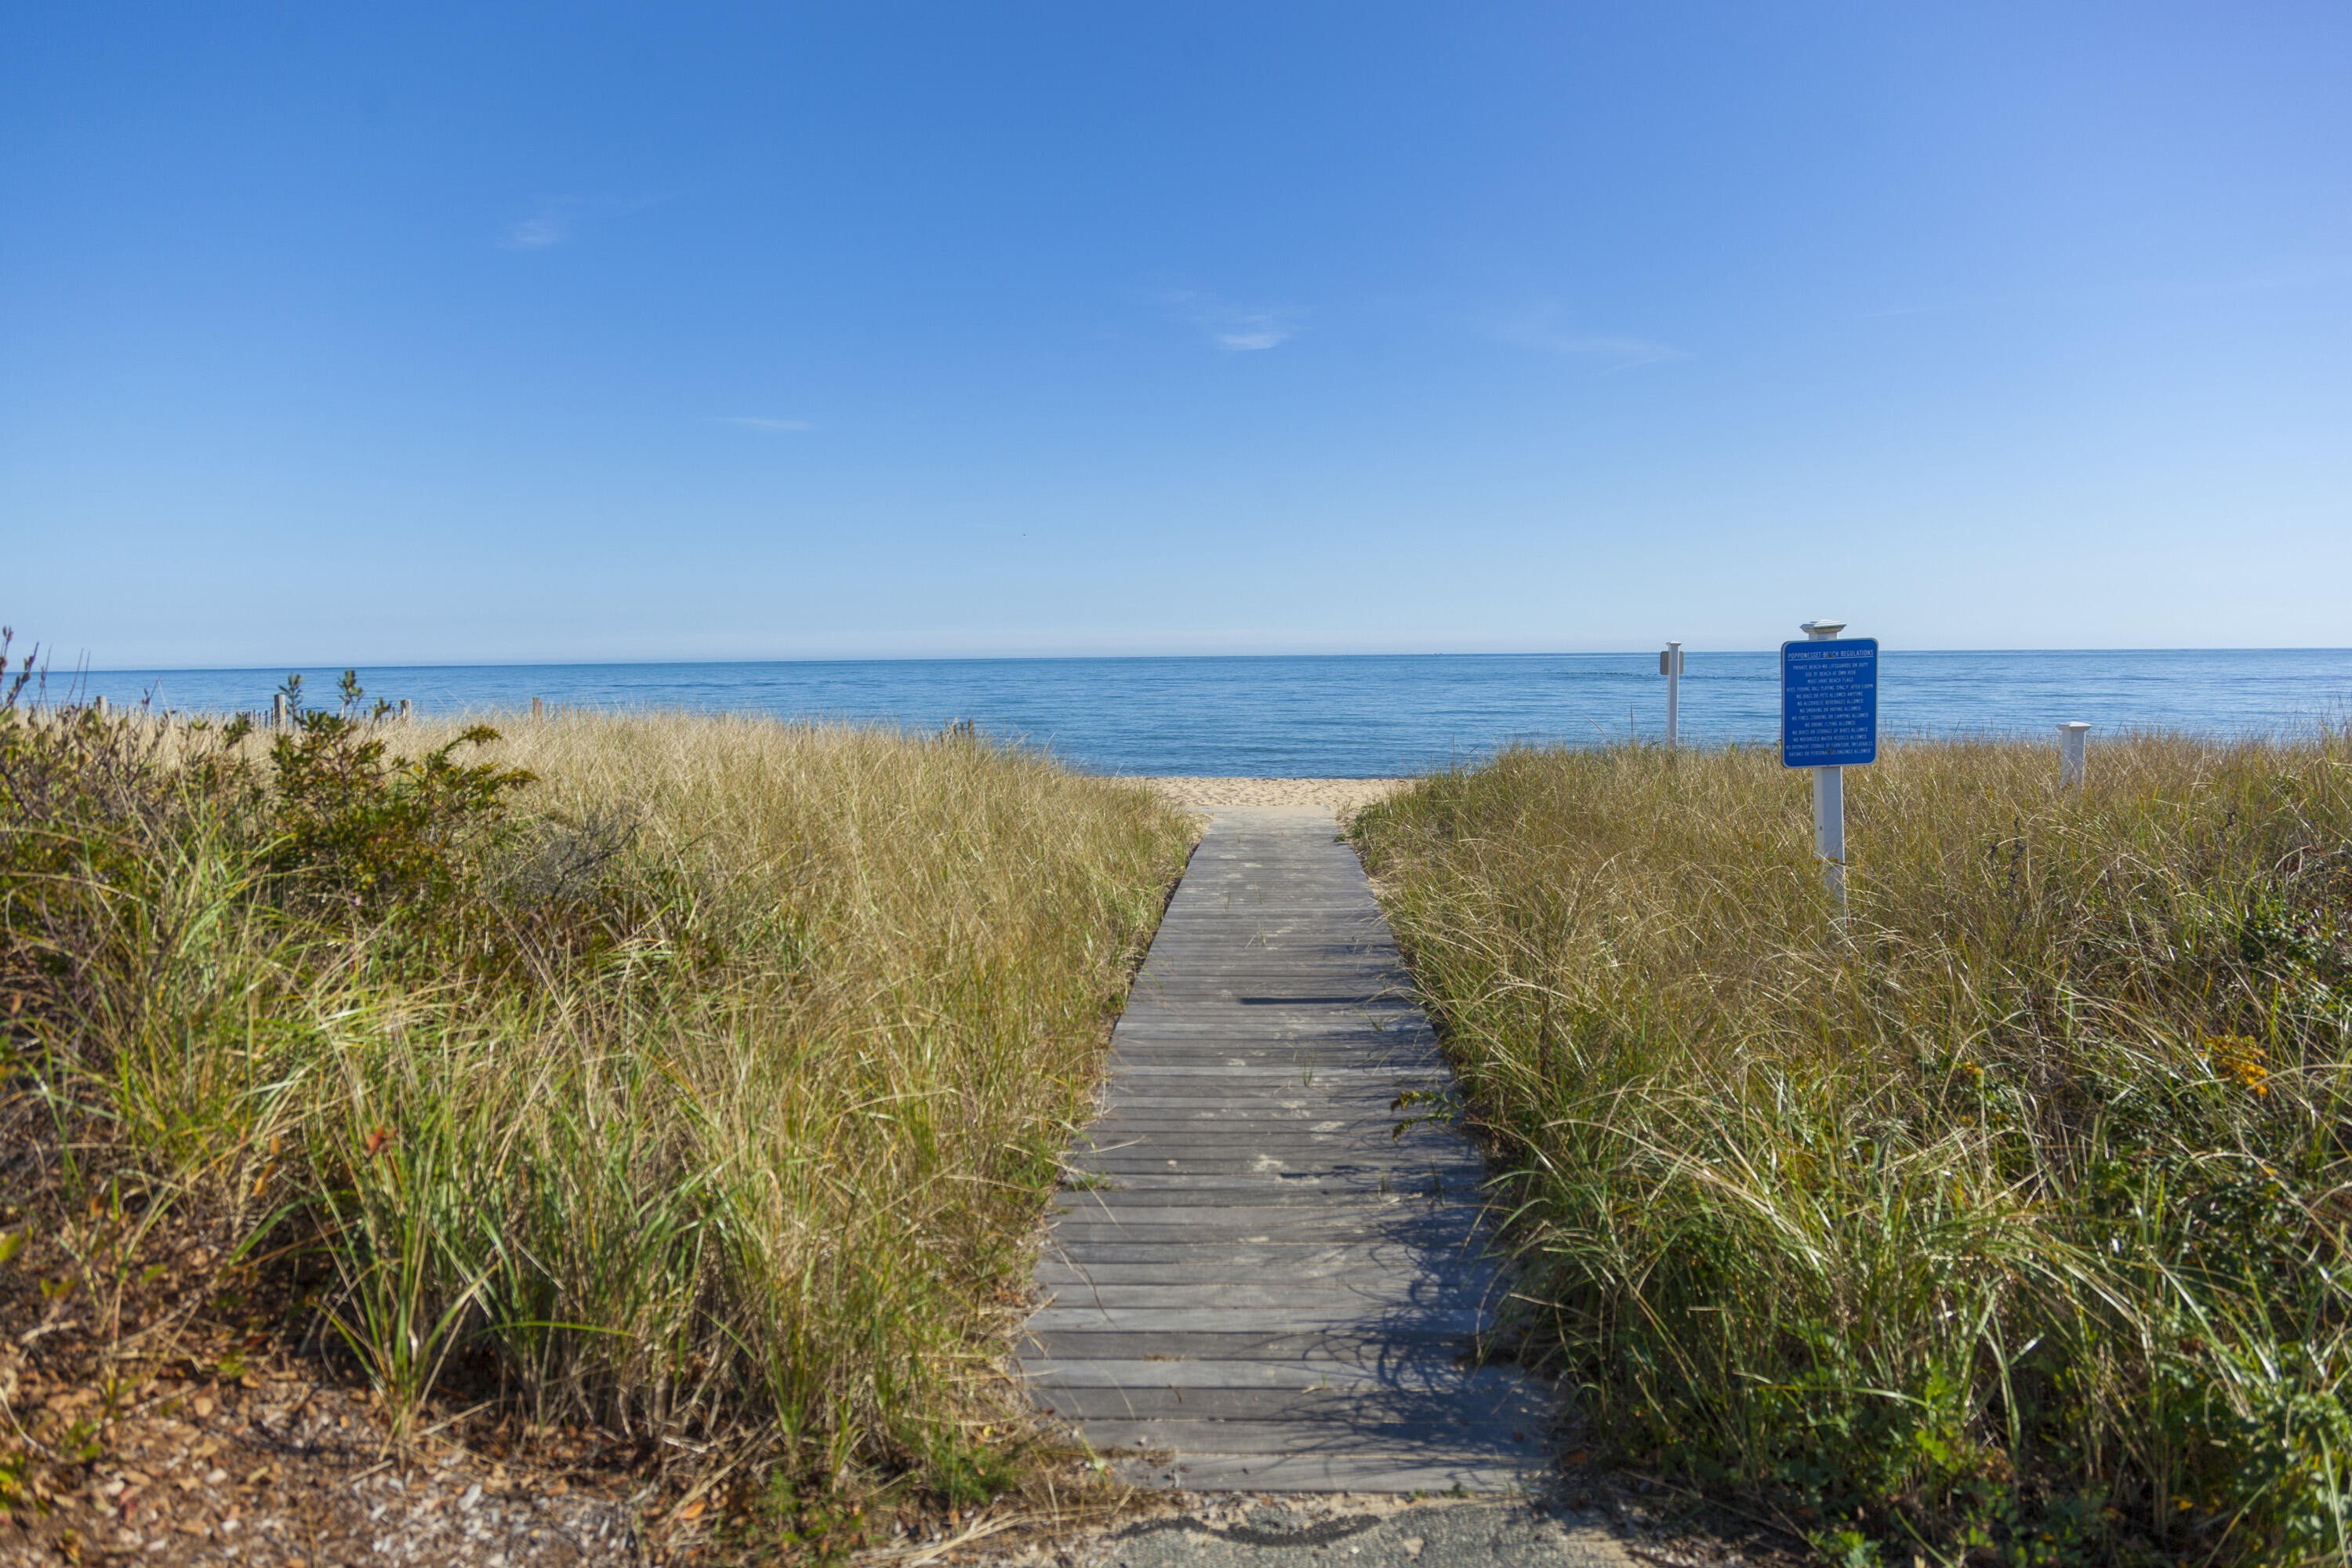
385, 333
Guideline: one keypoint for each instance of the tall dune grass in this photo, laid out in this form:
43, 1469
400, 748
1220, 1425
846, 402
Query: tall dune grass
2007, 1224
709, 1090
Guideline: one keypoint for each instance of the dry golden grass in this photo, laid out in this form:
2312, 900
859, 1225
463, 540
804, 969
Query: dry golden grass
742, 1141
2014, 1213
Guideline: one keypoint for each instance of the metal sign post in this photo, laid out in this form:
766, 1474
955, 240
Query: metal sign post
1829, 723
2070, 755
1670, 664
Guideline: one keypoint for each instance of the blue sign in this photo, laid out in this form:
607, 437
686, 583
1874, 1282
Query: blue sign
1829, 703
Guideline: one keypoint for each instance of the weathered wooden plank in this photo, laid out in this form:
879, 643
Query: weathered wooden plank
1366, 1111
1410, 1370
1368, 1130
1368, 1137
1266, 1229
1279, 1164
1218, 1231
1132, 1170
1369, 1344
1225, 1004
1068, 1313
1434, 1437
1305, 1269
1280, 1155
1324, 1472
1352, 988
1361, 1094
1253, 1265
1246, 1081
1372, 1124
1290, 1197
1506, 1398
1280, 1141
1331, 1032
1263, 1255
1244, 1169
1368, 1114
1283, 1149
1181, 1014
1116, 1198
1372, 1061
1331, 1097
1367, 1290
1240, 1062
1399, 1215
1278, 1033
1168, 1264
1391, 1049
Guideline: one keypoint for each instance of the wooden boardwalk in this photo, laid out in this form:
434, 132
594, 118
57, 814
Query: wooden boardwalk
1250, 1273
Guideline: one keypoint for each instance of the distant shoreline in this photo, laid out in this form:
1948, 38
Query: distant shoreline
279, 668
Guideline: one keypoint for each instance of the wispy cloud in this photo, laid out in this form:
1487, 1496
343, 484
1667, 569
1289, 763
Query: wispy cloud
550, 222
1547, 327
1236, 328
761, 422
554, 220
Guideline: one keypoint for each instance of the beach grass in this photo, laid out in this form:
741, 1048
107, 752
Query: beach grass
700, 1080
2006, 1221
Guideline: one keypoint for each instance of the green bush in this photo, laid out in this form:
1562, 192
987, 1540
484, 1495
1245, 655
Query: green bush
359, 837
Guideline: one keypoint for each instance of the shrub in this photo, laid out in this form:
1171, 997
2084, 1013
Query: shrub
701, 1078
2011, 1217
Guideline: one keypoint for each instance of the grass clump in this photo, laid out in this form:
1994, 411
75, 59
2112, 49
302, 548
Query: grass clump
695, 1078
2008, 1223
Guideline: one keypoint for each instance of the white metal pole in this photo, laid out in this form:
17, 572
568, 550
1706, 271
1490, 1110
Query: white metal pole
2070, 753
1829, 798
1828, 830
1674, 691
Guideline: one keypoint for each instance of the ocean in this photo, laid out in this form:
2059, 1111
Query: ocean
1353, 716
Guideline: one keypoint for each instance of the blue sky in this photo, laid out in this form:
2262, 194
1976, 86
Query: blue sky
381, 335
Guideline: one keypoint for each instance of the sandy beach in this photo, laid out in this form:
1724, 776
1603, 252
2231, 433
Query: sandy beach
1342, 797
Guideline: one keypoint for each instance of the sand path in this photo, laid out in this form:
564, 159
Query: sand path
1342, 797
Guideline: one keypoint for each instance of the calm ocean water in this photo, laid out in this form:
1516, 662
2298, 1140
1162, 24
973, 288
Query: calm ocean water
1360, 716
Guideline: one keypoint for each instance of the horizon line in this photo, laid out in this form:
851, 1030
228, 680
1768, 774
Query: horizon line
291, 666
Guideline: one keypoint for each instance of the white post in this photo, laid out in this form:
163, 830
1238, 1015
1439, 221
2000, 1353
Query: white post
2070, 753
1829, 798
1671, 663
404, 710
1828, 830
278, 711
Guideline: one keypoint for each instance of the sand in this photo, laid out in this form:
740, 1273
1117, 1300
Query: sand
1342, 797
